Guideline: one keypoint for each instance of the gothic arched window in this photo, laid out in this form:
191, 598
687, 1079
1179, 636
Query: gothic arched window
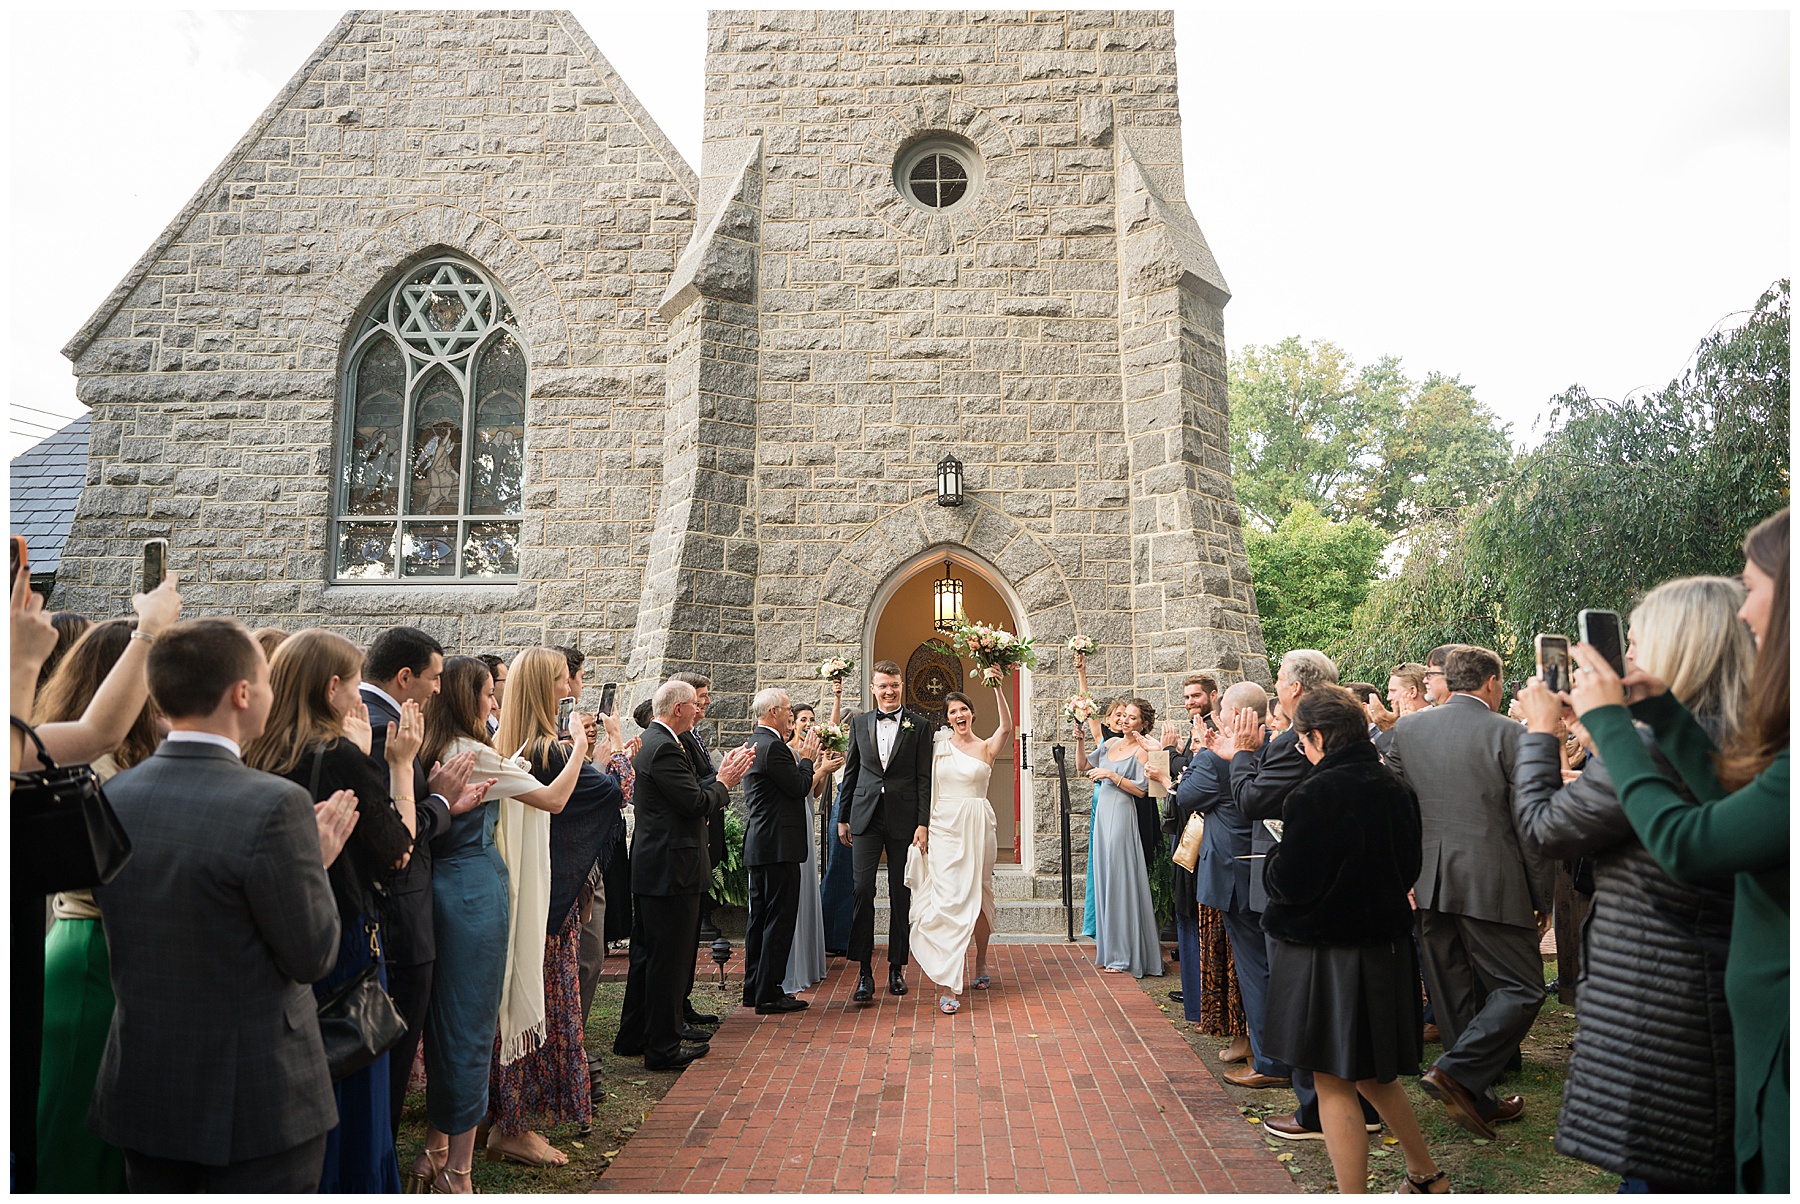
432, 456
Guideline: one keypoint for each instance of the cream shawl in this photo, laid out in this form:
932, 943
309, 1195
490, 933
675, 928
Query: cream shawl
522, 836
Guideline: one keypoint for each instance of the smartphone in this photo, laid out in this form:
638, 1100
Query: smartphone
21, 559
1553, 662
1601, 629
564, 709
1514, 686
156, 563
607, 694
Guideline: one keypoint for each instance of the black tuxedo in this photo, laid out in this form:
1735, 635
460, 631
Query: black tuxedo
407, 934
669, 873
884, 806
775, 845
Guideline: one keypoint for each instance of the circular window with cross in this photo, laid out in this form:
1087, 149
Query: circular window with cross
939, 174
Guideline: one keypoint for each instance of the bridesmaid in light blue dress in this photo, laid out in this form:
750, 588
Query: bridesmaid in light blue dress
1125, 929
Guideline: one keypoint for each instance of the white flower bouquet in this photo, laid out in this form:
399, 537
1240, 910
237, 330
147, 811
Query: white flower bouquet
1083, 645
995, 650
1080, 708
837, 668
833, 737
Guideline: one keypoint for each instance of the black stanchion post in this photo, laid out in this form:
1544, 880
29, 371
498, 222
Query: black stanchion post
1068, 856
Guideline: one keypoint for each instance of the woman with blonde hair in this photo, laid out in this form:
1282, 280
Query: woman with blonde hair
486, 872
318, 736
1647, 1102
539, 1075
78, 998
1732, 819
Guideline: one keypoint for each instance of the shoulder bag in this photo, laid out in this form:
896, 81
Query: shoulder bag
1187, 852
65, 835
358, 1021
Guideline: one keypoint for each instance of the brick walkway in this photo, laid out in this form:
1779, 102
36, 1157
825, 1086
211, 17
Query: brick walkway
1061, 1079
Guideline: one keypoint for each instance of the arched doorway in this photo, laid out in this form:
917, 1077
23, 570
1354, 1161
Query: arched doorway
898, 627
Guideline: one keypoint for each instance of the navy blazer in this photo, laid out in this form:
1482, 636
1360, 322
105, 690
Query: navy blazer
775, 793
407, 935
1222, 877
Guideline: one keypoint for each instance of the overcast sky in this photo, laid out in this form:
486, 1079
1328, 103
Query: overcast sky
1528, 200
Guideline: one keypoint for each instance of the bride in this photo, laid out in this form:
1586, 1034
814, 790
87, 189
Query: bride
956, 899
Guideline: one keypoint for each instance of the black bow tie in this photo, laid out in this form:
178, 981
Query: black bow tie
885, 717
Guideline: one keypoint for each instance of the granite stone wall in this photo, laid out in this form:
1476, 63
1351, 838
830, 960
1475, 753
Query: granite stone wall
213, 370
741, 380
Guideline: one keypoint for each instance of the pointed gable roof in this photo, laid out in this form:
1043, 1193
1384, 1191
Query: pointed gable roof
46, 486
626, 99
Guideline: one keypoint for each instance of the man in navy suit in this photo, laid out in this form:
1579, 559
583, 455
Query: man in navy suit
775, 846
403, 665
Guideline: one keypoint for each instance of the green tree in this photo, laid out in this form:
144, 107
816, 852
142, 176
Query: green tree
1308, 425
1445, 452
1619, 496
1311, 574
1622, 495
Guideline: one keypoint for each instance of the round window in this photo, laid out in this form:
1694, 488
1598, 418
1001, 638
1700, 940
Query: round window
938, 174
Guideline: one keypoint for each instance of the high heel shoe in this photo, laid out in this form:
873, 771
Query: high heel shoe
419, 1185
440, 1186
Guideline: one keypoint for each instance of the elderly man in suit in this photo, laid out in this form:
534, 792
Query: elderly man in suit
775, 845
885, 807
403, 665
214, 1077
1262, 776
715, 841
1478, 889
669, 872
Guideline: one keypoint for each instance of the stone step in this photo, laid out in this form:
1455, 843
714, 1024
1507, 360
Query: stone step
1011, 916
1012, 883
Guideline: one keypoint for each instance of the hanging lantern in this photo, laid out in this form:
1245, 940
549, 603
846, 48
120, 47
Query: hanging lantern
947, 600
950, 481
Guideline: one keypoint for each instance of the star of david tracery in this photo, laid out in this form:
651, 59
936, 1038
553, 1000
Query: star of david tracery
446, 314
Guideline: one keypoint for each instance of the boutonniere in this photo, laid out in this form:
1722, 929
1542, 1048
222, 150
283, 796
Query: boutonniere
906, 725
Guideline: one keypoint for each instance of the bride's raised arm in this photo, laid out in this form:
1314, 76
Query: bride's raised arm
1002, 734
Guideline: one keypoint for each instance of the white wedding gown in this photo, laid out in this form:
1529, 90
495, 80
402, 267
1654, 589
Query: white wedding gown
959, 865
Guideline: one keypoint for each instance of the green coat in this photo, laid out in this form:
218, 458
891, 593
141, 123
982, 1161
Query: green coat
1745, 834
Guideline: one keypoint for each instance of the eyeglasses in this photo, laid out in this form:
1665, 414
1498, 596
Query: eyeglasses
1434, 673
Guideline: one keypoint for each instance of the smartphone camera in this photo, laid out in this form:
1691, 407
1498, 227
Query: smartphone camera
156, 563
564, 709
1602, 630
1553, 662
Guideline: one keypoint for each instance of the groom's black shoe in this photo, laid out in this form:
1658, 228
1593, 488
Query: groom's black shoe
690, 1016
896, 981
865, 987
698, 1036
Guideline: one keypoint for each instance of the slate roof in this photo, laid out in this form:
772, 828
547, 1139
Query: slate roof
46, 485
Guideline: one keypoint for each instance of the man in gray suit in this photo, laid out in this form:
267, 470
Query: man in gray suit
214, 1076
1477, 890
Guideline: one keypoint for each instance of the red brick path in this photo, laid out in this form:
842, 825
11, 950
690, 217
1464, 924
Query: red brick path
1060, 1079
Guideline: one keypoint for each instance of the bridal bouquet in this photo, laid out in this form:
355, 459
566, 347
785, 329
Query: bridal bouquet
837, 668
833, 737
1083, 645
1080, 708
995, 650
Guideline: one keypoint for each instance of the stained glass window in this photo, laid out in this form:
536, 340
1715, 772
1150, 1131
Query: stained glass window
431, 477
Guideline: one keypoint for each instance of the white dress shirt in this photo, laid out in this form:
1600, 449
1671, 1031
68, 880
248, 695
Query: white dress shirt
224, 742
887, 734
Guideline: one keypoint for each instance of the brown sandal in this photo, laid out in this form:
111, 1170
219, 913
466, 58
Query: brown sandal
1411, 1186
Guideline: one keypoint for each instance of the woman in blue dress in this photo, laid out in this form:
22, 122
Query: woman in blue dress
1125, 928
837, 886
318, 736
471, 912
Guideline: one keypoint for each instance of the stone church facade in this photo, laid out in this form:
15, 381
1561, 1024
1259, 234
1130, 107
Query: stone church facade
721, 396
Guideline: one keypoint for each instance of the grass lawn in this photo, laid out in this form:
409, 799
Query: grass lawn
631, 1091
1521, 1159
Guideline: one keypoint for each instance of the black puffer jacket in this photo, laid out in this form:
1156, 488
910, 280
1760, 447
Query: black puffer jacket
1649, 1093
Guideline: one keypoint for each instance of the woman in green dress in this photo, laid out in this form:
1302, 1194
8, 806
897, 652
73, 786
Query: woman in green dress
78, 998
1739, 826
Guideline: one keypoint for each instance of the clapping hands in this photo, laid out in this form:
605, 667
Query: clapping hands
336, 817
404, 739
736, 764
808, 749
1378, 714
356, 726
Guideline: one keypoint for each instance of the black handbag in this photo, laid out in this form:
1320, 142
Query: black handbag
65, 835
359, 1021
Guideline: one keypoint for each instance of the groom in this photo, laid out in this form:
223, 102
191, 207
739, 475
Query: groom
886, 805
